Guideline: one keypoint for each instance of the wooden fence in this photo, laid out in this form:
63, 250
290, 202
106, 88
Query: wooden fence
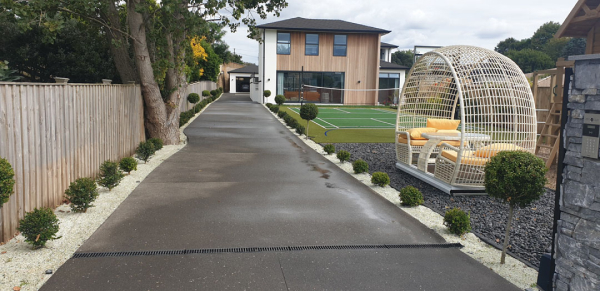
197, 87
53, 134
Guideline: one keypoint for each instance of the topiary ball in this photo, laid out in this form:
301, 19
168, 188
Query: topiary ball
193, 98
411, 196
205, 93
213, 93
329, 149
39, 226
343, 156
359, 166
128, 164
380, 179
7, 181
279, 99
267, 93
309, 111
457, 221
82, 193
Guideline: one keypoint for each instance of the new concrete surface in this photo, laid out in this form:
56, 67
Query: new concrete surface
245, 181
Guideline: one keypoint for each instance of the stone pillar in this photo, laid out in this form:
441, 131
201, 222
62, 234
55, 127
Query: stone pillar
578, 234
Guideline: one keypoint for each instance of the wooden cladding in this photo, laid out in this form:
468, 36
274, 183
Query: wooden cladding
361, 62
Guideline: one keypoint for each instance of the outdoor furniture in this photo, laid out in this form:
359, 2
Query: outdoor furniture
484, 94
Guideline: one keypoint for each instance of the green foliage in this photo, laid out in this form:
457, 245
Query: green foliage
269, 105
575, 46
300, 129
128, 164
531, 60
110, 176
267, 93
411, 196
515, 177
343, 156
275, 109
185, 116
193, 98
329, 149
309, 111
380, 179
213, 93
279, 99
290, 121
7, 181
208, 69
359, 166
205, 93
457, 221
511, 44
404, 58
39, 226
543, 35
144, 151
82, 193
222, 50
6, 74
282, 114
554, 47
158, 143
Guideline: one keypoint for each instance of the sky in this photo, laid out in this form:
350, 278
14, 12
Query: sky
481, 23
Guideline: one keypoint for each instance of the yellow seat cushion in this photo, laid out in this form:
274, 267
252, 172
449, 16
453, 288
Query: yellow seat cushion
422, 142
493, 149
468, 158
415, 133
443, 123
449, 131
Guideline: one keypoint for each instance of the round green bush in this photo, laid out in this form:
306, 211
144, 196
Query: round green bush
343, 156
220, 89
411, 196
267, 93
309, 111
110, 176
7, 181
39, 226
144, 151
193, 98
82, 193
359, 166
269, 105
380, 179
275, 109
329, 149
198, 108
279, 99
282, 114
157, 142
457, 221
300, 129
205, 93
128, 164
213, 93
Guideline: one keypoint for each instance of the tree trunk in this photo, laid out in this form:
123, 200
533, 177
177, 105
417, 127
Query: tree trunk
119, 47
510, 216
156, 118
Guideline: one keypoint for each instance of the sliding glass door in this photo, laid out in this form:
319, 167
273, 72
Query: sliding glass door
289, 85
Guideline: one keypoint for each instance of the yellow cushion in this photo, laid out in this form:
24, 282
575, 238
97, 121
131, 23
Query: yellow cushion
422, 142
493, 149
449, 131
443, 123
415, 133
467, 158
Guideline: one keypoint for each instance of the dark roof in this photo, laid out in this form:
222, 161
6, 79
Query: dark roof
385, 44
305, 24
249, 69
391, 66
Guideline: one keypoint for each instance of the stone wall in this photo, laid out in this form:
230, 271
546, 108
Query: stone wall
578, 234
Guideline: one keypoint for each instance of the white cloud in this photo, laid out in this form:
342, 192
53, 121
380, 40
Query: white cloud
425, 22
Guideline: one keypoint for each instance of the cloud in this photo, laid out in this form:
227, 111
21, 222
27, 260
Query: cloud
494, 29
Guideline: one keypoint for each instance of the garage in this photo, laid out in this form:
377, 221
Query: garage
239, 79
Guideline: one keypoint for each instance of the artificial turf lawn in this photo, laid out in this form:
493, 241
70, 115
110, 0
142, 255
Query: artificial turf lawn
354, 135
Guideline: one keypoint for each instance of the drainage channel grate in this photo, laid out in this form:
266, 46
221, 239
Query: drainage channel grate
265, 249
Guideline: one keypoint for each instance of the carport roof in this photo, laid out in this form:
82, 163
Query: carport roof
249, 69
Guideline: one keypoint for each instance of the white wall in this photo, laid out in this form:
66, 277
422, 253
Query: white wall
232, 81
267, 68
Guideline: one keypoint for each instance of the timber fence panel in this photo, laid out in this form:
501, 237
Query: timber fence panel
197, 88
52, 134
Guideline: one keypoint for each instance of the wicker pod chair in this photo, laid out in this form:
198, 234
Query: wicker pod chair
481, 91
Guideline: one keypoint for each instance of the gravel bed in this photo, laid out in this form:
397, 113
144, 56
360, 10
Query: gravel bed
531, 232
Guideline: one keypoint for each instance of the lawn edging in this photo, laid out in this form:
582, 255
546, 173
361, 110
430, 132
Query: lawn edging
514, 270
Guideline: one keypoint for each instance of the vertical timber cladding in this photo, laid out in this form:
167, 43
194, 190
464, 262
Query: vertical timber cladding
361, 62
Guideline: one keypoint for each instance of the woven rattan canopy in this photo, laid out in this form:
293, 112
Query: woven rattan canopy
483, 89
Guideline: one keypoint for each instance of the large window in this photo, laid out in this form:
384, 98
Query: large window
392, 82
289, 84
340, 44
312, 45
283, 43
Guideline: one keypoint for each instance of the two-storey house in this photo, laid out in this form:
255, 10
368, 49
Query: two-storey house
325, 53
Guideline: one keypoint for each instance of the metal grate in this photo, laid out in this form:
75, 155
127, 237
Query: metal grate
265, 249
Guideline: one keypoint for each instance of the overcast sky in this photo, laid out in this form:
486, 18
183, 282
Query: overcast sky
423, 22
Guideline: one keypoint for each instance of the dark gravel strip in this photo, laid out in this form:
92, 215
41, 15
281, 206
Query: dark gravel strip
531, 233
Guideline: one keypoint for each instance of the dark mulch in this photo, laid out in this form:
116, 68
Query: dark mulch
532, 227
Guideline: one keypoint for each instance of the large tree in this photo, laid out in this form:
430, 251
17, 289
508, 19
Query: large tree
403, 58
511, 43
148, 41
543, 35
531, 60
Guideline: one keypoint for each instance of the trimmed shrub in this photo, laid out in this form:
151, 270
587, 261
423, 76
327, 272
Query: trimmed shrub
308, 112
110, 176
7, 181
157, 142
457, 221
267, 93
329, 149
39, 226
128, 164
343, 156
220, 89
300, 129
269, 105
198, 108
279, 99
411, 196
193, 98
185, 117
205, 93
282, 114
275, 109
380, 179
359, 166
82, 193
213, 93
144, 151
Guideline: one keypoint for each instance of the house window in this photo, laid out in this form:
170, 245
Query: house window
340, 43
391, 82
283, 43
289, 84
312, 45
382, 55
